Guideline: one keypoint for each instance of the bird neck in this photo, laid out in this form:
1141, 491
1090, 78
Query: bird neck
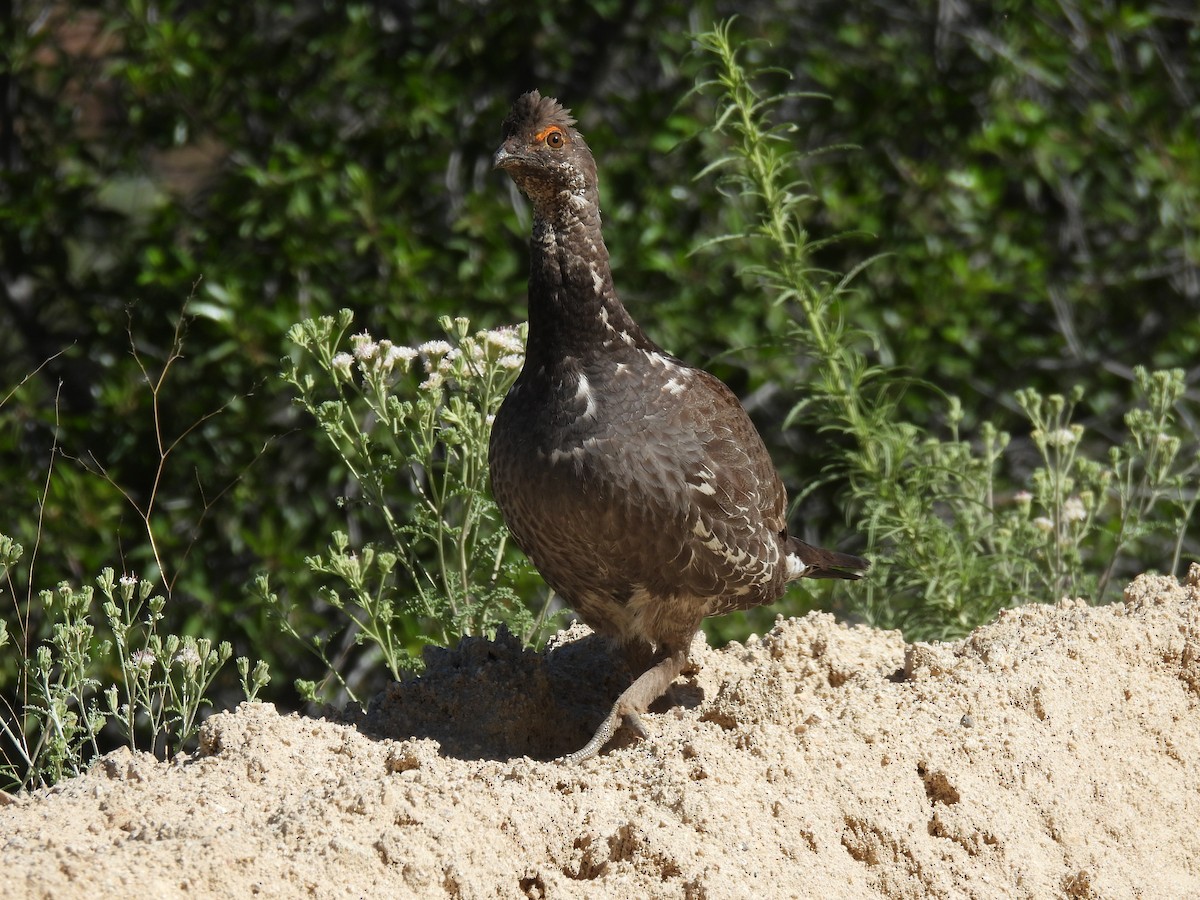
574, 310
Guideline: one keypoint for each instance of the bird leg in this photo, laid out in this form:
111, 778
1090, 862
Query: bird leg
648, 687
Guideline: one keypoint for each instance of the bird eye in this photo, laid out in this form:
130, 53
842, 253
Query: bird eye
554, 138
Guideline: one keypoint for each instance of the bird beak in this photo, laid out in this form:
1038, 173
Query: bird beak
503, 159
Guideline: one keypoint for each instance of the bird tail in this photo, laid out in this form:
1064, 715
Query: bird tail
806, 561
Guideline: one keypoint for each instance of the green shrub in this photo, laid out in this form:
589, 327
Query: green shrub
952, 539
88, 684
411, 425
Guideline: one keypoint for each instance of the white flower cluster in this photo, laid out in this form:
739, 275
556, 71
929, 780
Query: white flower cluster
507, 341
188, 657
434, 352
342, 363
375, 358
502, 347
439, 359
1073, 510
499, 347
1064, 437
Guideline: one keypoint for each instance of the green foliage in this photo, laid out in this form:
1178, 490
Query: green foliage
1027, 168
275, 162
1029, 172
411, 425
950, 548
156, 685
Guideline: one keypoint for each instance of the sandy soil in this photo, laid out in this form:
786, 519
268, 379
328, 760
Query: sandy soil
1053, 753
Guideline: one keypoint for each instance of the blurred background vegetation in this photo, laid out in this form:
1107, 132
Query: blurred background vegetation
1031, 170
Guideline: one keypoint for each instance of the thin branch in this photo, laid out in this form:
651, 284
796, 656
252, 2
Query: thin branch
37, 542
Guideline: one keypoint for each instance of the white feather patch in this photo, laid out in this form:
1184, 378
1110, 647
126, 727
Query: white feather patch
583, 391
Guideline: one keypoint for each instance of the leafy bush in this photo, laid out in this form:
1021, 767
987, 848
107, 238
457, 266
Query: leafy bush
147, 688
411, 424
952, 543
1028, 175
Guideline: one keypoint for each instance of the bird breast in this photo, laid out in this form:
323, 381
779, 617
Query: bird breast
615, 482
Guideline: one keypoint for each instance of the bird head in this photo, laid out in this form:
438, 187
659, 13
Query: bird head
546, 157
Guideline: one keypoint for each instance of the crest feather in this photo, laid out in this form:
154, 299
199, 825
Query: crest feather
533, 112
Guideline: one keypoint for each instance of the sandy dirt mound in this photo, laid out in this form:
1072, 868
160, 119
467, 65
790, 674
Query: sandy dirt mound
1053, 753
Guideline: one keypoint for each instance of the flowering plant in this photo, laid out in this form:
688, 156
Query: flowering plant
411, 425
155, 694
956, 528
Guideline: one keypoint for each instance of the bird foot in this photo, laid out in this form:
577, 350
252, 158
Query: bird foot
648, 687
604, 734
634, 723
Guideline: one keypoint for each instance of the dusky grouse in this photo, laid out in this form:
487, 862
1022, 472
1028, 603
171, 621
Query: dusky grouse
635, 483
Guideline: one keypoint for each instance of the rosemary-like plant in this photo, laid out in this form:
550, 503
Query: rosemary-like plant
951, 539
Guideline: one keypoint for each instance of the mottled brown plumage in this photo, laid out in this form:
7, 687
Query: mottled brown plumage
636, 484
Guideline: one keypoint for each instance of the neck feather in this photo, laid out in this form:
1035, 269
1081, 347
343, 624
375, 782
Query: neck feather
574, 310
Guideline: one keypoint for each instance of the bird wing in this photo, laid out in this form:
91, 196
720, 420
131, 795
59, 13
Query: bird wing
737, 507
653, 483
703, 506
